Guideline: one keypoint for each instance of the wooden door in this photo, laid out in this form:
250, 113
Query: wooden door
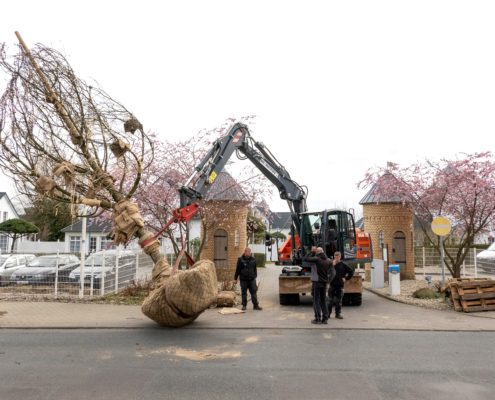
220, 253
399, 250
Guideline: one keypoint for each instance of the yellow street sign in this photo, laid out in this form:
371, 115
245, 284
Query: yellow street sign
441, 226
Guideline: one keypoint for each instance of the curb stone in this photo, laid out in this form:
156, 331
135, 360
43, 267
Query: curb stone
384, 296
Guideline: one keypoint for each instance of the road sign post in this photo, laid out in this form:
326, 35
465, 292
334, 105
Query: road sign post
441, 227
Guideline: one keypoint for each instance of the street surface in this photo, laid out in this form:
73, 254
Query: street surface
380, 350
197, 364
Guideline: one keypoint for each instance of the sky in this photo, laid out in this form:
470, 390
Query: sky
337, 87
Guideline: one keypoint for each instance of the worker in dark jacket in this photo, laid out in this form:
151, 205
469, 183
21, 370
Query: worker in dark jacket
246, 272
321, 271
336, 291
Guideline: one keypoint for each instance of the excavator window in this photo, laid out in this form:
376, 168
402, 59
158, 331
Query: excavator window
348, 234
331, 236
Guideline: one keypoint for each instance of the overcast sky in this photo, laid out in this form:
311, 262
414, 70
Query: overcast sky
337, 86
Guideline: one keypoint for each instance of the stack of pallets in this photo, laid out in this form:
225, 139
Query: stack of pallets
472, 294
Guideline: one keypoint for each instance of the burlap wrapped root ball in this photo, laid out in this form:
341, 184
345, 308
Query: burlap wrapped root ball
226, 298
182, 297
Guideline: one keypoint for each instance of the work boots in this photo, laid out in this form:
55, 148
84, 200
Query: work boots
257, 307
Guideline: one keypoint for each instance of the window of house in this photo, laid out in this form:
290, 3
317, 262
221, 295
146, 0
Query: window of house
92, 244
4, 242
106, 244
75, 244
5, 215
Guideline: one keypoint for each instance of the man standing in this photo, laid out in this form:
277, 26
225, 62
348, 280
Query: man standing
342, 273
246, 272
321, 271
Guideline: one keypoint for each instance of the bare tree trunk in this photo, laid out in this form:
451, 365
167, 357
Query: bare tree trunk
14, 238
202, 242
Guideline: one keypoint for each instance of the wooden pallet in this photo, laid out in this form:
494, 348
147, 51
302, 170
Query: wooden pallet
454, 296
473, 295
454, 280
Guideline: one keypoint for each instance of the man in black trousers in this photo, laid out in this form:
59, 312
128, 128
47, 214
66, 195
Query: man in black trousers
342, 273
247, 273
321, 272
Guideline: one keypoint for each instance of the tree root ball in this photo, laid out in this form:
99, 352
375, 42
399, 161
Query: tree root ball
226, 299
181, 298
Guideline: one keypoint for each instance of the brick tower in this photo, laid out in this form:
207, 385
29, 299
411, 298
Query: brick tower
225, 209
390, 224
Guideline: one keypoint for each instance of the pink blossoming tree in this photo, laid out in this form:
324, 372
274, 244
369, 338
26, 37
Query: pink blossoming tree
174, 163
462, 190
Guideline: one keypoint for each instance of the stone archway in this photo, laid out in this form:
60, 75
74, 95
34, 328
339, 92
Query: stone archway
220, 254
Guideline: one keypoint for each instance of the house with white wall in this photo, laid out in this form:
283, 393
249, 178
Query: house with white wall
97, 231
7, 211
280, 221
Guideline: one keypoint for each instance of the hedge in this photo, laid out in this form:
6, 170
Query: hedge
260, 259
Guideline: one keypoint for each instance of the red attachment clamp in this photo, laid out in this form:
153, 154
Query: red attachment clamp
185, 214
179, 215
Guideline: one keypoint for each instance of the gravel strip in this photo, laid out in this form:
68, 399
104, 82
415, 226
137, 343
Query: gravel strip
407, 288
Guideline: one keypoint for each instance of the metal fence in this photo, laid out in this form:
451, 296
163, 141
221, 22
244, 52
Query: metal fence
63, 274
427, 262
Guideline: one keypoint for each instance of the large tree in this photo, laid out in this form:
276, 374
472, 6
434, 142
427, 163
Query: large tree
50, 217
70, 141
462, 190
256, 229
17, 228
64, 139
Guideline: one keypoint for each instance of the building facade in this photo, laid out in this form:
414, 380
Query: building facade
7, 211
225, 209
96, 236
390, 224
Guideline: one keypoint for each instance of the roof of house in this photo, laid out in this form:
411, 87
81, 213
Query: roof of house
225, 188
360, 223
372, 197
280, 220
10, 203
92, 226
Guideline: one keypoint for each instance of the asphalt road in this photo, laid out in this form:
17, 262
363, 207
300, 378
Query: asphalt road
258, 364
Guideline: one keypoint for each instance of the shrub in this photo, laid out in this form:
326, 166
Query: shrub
426, 293
260, 259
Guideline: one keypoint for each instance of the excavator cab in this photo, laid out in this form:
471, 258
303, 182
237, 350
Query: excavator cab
332, 230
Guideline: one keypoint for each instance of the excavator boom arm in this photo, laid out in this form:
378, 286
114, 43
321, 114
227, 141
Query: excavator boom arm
239, 139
